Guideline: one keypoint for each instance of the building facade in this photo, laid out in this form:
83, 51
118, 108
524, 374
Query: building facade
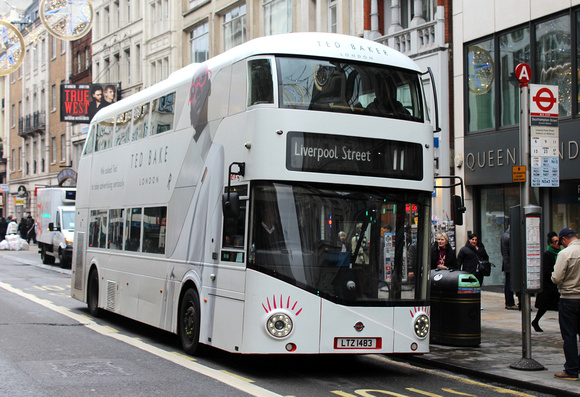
38, 141
139, 43
421, 29
136, 43
544, 35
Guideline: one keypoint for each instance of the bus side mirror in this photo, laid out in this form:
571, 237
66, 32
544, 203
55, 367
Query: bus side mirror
231, 205
458, 210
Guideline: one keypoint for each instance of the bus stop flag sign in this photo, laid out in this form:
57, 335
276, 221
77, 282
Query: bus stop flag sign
544, 136
523, 73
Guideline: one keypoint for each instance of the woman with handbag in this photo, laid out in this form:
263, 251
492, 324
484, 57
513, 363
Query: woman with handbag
470, 255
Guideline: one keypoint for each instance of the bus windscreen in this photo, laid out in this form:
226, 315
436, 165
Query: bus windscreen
350, 246
353, 88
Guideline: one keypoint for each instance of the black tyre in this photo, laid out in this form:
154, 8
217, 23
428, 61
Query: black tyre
62, 259
46, 259
189, 322
93, 294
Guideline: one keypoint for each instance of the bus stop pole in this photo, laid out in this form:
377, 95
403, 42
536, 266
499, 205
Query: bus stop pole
526, 362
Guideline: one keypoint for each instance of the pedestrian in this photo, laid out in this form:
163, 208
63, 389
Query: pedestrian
470, 255
31, 232
23, 228
566, 276
12, 226
442, 255
3, 228
506, 267
549, 297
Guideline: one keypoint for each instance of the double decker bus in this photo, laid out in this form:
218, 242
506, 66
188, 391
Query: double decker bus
274, 199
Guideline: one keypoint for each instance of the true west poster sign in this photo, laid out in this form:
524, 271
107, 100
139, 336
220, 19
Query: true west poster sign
80, 102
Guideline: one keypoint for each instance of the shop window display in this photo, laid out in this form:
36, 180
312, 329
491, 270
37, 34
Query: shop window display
495, 208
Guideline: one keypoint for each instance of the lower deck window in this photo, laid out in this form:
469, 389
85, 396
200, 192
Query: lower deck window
133, 229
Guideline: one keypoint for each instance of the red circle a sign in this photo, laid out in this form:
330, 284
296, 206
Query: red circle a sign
523, 73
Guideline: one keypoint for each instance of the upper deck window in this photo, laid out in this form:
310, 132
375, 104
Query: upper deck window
260, 82
90, 145
104, 134
337, 86
141, 121
162, 115
123, 128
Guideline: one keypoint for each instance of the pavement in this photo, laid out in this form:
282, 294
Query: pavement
500, 347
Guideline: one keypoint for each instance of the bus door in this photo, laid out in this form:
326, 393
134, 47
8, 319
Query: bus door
234, 231
227, 287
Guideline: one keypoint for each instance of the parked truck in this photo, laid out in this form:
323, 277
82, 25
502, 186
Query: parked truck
56, 223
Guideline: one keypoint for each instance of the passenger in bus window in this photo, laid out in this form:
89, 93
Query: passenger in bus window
362, 256
269, 241
344, 244
385, 103
268, 231
344, 256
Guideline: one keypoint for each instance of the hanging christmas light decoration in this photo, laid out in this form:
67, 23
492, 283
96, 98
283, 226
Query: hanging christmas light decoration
67, 19
11, 48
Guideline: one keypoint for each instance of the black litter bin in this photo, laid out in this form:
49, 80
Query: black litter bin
455, 308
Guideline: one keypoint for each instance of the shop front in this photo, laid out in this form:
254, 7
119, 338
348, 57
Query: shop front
489, 162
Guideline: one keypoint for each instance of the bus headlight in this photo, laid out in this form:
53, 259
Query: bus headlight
422, 326
279, 325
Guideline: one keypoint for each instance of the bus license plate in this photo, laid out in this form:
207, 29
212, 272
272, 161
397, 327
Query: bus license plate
357, 343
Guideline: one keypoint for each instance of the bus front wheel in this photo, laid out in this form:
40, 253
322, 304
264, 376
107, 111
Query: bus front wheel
189, 322
93, 294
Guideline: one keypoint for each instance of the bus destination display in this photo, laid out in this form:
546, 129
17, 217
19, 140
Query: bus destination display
349, 155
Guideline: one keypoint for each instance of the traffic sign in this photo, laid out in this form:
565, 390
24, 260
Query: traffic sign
519, 173
523, 73
544, 100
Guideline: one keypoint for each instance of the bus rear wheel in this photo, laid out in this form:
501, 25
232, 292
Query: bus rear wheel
93, 294
189, 322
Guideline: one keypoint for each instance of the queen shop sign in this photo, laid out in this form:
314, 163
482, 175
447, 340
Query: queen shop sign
488, 158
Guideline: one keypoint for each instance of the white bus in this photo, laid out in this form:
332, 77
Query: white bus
274, 199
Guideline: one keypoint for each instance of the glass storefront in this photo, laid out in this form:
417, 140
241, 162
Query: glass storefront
494, 215
554, 59
495, 204
565, 206
495, 59
480, 81
551, 46
514, 48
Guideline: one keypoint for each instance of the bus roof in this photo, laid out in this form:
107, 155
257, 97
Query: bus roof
326, 45
315, 44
